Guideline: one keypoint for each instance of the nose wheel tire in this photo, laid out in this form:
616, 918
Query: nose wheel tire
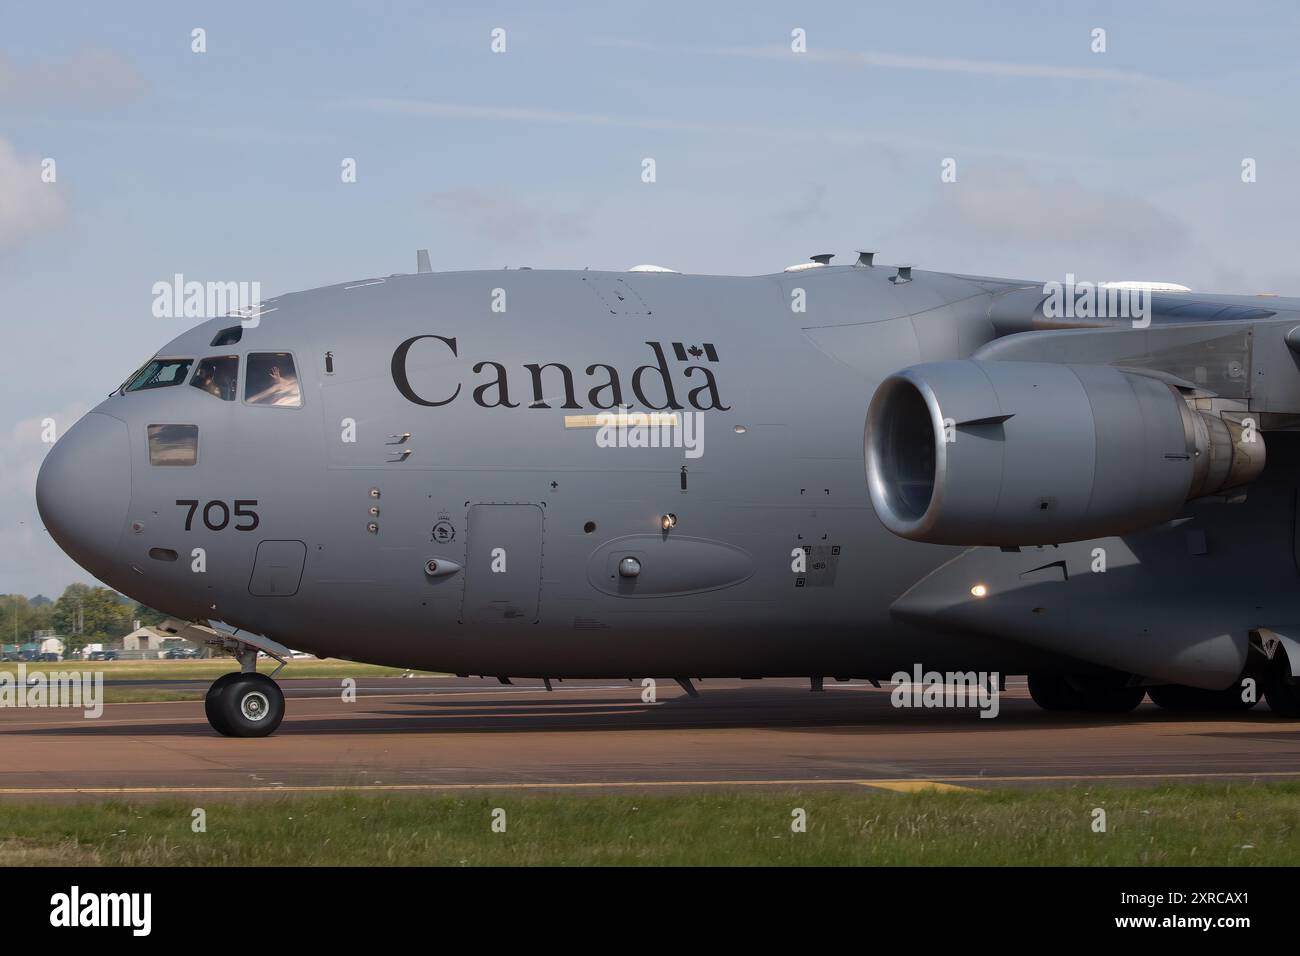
244, 705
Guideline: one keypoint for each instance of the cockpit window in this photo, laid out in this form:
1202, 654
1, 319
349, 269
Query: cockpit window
218, 376
173, 444
271, 380
160, 373
228, 336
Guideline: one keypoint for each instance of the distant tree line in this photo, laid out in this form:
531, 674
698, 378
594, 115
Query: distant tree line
82, 615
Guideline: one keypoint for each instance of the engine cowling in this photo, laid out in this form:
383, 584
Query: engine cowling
1022, 453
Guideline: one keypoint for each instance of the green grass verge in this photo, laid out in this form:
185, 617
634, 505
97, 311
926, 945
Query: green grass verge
1248, 824
211, 669
149, 695
202, 670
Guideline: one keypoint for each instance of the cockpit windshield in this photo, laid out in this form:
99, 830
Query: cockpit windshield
159, 373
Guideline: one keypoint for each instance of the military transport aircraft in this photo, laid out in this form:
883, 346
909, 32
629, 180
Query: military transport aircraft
831, 471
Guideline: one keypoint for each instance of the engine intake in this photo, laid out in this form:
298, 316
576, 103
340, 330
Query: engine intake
1021, 453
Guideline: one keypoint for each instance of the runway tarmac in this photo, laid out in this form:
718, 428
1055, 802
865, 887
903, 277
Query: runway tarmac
464, 734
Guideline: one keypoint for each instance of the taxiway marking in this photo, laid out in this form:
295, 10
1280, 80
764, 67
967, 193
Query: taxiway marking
900, 784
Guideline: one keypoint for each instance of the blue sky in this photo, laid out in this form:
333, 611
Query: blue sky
226, 165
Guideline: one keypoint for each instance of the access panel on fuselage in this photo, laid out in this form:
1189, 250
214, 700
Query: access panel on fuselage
503, 568
277, 568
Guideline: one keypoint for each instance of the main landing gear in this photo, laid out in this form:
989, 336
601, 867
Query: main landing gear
1180, 697
244, 703
1091, 693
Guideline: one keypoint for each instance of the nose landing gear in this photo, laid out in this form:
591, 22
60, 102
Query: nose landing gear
244, 705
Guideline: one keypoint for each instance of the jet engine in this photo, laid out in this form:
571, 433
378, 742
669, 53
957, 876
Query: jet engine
1023, 453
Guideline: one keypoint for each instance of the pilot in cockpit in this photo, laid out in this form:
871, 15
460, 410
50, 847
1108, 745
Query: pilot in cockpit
280, 388
204, 379
218, 376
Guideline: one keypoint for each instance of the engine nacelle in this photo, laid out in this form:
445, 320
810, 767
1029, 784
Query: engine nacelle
1023, 453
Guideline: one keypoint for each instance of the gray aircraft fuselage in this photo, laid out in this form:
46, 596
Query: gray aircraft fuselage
317, 523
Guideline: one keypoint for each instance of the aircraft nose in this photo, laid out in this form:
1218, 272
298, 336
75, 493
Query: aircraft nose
83, 491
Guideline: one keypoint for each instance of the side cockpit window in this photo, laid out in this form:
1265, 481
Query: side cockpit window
272, 380
218, 376
160, 373
173, 444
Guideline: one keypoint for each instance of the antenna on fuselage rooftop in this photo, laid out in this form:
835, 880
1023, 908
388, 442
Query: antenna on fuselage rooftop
422, 261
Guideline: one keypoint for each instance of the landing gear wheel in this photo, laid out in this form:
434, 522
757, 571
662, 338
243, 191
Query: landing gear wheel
215, 714
1096, 694
1181, 697
244, 705
1051, 692
1283, 694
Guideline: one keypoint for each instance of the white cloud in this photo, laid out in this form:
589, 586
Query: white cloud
89, 78
28, 205
30, 561
896, 61
536, 115
500, 216
1000, 202
778, 131
810, 207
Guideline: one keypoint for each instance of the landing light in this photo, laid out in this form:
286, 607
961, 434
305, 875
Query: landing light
979, 591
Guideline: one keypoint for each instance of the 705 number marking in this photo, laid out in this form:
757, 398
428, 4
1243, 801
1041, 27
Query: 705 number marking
216, 514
